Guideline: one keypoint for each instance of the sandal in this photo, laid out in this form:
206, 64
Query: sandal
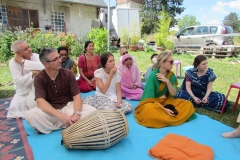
1, 85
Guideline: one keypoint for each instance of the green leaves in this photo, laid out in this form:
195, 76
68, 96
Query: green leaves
163, 31
99, 36
232, 20
151, 9
38, 40
187, 20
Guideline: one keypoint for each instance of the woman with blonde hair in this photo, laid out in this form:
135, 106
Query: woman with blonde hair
157, 107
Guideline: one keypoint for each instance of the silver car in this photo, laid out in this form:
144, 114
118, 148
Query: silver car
196, 36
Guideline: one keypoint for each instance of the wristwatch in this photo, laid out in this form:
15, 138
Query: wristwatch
78, 112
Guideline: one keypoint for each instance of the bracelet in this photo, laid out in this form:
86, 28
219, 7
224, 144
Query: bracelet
78, 113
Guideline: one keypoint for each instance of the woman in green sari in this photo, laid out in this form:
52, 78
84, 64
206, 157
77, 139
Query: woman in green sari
159, 91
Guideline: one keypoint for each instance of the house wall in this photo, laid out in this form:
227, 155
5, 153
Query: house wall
136, 4
75, 23
113, 20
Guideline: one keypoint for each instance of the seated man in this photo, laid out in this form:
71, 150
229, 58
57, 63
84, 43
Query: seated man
59, 103
124, 51
23, 67
67, 62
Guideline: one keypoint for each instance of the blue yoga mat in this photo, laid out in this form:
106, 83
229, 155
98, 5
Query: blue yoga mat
140, 139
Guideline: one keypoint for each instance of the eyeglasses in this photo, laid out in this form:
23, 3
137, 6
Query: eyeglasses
64, 55
125, 52
57, 58
171, 62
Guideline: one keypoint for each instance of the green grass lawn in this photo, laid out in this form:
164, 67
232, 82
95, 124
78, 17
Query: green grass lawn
227, 71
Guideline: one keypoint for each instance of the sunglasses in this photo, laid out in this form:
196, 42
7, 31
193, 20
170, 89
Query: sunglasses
171, 62
57, 58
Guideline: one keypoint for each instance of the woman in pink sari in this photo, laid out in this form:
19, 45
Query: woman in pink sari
131, 83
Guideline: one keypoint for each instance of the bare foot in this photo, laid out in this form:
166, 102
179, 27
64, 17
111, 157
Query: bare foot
234, 134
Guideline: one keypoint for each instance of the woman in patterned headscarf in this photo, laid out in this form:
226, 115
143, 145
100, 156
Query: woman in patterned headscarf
131, 83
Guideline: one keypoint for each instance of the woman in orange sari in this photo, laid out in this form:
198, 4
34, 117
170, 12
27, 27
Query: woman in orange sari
159, 92
87, 64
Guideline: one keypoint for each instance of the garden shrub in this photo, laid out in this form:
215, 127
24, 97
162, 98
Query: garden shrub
38, 40
99, 36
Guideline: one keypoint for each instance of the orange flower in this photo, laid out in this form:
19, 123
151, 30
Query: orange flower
62, 34
63, 43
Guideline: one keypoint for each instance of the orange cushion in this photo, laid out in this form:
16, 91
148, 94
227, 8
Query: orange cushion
175, 147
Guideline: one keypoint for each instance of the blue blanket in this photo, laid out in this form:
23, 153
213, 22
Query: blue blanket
140, 139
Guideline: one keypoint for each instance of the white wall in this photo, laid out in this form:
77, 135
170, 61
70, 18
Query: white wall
74, 23
81, 24
132, 5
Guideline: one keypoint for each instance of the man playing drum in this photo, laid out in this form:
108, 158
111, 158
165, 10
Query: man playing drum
59, 103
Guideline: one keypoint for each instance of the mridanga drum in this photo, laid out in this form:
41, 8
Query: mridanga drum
99, 130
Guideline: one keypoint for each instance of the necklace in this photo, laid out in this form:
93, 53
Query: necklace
89, 56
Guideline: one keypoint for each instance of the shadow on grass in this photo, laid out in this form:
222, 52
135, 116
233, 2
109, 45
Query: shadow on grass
6, 93
229, 117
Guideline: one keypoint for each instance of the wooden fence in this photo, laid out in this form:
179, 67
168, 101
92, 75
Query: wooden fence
220, 51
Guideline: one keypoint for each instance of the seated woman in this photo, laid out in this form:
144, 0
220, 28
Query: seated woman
235, 133
67, 62
151, 68
160, 88
197, 86
108, 95
87, 64
131, 83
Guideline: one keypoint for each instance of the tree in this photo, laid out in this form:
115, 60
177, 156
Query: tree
150, 13
187, 20
232, 20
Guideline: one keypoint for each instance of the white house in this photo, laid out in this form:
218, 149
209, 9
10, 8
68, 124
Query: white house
124, 14
75, 16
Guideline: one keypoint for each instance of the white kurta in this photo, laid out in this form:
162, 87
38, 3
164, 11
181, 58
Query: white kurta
23, 100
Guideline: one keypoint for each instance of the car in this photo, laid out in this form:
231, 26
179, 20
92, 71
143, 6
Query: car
196, 36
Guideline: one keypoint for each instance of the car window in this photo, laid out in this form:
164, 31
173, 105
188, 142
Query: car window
201, 30
213, 29
229, 29
187, 31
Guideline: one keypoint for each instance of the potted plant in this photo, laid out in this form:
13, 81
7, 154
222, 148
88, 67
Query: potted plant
114, 41
123, 37
134, 37
163, 29
160, 42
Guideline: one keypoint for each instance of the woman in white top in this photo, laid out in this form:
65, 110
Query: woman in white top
108, 95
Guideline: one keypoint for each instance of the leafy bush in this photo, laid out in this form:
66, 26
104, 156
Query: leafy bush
6, 40
37, 40
99, 36
169, 45
135, 34
163, 29
123, 36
